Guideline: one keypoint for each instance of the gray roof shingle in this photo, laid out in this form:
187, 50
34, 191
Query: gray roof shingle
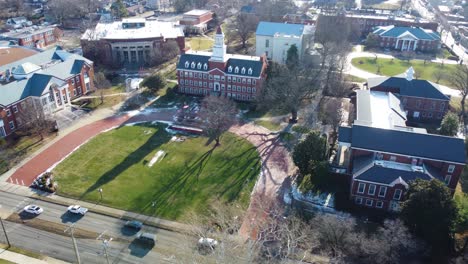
415, 88
420, 33
385, 175
196, 59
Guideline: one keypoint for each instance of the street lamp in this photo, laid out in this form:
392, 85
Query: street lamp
100, 192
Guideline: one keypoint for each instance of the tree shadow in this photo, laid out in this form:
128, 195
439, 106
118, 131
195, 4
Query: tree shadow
158, 138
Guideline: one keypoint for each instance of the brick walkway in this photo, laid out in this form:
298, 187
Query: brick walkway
60, 149
277, 165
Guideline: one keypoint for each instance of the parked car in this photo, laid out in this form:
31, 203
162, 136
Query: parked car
134, 224
76, 209
206, 242
146, 238
33, 209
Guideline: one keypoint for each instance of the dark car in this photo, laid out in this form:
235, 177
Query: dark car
134, 224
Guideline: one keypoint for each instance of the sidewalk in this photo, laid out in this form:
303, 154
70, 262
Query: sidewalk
23, 259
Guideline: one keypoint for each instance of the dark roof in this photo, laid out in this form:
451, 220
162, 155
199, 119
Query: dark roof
415, 88
384, 175
256, 67
344, 134
249, 9
420, 33
198, 59
409, 143
18, 90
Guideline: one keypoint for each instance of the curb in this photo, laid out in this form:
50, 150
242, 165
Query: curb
122, 217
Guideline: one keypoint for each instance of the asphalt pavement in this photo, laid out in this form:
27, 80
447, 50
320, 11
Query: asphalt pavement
169, 248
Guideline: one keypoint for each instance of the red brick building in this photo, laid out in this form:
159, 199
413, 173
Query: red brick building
130, 42
50, 80
407, 38
234, 76
422, 100
196, 21
34, 37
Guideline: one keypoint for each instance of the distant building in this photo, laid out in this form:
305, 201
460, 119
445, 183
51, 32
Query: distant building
239, 77
50, 79
422, 100
407, 38
12, 53
274, 39
35, 36
130, 41
299, 19
153, 4
18, 22
196, 21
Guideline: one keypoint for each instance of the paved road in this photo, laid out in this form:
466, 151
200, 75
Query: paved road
169, 244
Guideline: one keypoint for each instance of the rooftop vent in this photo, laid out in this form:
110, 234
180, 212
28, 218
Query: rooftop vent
379, 163
417, 169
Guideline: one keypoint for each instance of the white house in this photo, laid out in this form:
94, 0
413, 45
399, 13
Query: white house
274, 39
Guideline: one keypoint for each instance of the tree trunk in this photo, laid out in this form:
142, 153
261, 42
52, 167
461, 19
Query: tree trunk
217, 141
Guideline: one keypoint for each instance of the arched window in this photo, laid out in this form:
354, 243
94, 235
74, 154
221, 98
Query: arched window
187, 64
250, 71
236, 70
243, 70
199, 66
193, 65
230, 69
205, 66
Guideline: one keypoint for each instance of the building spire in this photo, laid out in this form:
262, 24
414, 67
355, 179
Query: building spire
409, 73
219, 48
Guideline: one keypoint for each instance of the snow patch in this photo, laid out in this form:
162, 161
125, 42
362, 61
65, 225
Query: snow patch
157, 157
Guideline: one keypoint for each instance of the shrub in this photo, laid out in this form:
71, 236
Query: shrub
154, 82
300, 129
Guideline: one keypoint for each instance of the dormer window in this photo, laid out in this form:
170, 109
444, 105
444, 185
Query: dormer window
199, 66
230, 69
236, 70
205, 66
243, 70
193, 65
250, 71
187, 64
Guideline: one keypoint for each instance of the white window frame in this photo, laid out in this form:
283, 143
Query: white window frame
393, 158
12, 125
377, 204
385, 191
373, 189
363, 188
399, 191
358, 200
451, 168
15, 109
447, 179
371, 202
8, 112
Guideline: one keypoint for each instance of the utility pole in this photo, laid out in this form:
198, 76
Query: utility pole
75, 246
4, 231
105, 244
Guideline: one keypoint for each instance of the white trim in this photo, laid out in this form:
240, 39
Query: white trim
369, 189
363, 189
358, 200
371, 202
447, 182
377, 204
400, 193
410, 156
451, 168
385, 192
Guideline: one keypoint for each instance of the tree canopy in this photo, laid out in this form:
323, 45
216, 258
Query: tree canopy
154, 82
312, 149
218, 114
449, 125
292, 59
118, 9
430, 212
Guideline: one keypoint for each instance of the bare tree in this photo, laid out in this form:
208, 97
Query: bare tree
334, 232
167, 51
242, 27
101, 83
459, 79
33, 119
63, 9
218, 114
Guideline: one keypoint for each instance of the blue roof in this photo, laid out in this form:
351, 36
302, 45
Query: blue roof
414, 88
420, 33
344, 134
428, 146
271, 28
18, 90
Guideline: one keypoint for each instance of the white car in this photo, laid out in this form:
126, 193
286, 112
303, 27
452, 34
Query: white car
76, 209
33, 209
207, 242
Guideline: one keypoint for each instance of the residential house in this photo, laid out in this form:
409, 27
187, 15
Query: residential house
422, 100
239, 77
18, 22
51, 79
382, 156
275, 39
407, 38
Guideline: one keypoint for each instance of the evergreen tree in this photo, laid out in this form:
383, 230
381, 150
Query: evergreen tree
118, 9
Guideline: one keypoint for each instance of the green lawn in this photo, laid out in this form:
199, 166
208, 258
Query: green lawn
200, 43
389, 68
2, 261
190, 177
271, 125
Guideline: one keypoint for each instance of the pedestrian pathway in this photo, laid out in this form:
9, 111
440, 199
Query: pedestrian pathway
23, 259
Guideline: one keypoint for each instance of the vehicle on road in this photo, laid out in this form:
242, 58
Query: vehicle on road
76, 209
206, 242
147, 238
33, 209
134, 224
